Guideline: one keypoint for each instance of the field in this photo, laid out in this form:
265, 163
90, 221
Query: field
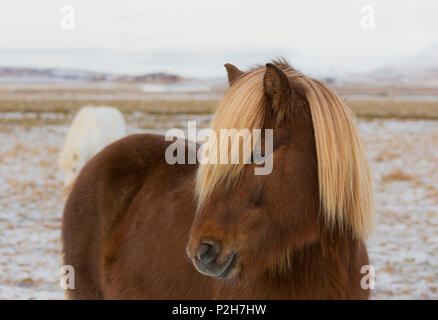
364, 108
402, 141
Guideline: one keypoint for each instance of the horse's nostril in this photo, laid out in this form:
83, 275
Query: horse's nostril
207, 252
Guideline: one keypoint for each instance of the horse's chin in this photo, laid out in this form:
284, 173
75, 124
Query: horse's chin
231, 270
225, 270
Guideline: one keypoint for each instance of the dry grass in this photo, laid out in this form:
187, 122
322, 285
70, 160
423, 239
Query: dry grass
126, 106
379, 108
433, 195
400, 109
385, 156
396, 175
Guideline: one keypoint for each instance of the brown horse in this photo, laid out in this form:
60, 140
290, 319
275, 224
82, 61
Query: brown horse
136, 227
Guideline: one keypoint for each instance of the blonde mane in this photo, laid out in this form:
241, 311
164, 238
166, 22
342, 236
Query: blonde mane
345, 184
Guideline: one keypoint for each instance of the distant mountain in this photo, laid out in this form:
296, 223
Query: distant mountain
51, 75
153, 78
420, 71
11, 74
429, 58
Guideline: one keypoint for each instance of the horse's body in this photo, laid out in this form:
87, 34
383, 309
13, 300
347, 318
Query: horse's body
134, 229
92, 129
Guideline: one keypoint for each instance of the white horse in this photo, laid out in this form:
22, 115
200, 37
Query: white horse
92, 129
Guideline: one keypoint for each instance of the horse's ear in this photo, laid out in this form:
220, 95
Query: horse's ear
233, 73
276, 85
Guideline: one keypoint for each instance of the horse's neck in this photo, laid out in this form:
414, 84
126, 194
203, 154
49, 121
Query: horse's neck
318, 271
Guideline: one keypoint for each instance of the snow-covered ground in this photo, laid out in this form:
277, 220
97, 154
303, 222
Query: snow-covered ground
403, 251
404, 248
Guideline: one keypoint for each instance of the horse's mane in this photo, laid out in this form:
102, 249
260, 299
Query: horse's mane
345, 184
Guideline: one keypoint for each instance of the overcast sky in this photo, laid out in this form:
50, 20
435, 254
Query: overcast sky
196, 37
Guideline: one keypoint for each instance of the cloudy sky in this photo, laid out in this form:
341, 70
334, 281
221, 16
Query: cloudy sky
196, 37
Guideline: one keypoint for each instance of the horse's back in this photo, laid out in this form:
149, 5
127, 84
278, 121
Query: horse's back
107, 121
92, 129
100, 197
110, 124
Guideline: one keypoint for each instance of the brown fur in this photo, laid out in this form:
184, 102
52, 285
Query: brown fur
130, 219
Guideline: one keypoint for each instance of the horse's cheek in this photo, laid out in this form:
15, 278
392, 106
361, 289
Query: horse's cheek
253, 228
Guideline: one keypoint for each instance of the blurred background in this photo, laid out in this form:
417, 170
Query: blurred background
161, 64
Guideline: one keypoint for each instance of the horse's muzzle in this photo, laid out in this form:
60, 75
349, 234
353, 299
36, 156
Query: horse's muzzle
207, 260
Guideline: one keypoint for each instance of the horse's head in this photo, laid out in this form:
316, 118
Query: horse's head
248, 224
